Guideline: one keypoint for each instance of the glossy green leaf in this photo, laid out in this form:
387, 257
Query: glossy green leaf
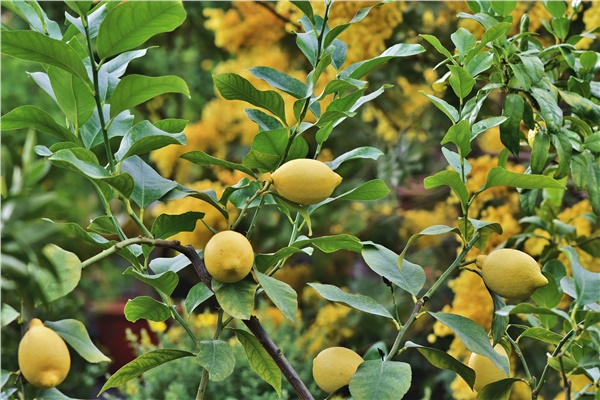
540, 152
556, 8
306, 8
510, 133
585, 108
281, 294
384, 262
443, 360
33, 13
133, 90
142, 364
561, 27
236, 299
592, 142
281, 81
234, 87
435, 42
443, 106
80, 7
548, 108
131, 24
499, 390
503, 7
104, 225
261, 161
586, 282
460, 135
473, 336
377, 380
461, 82
454, 160
463, 40
143, 138
265, 261
308, 44
548, 296
372, 190
451, 179
208, 196
493, 32
541, 334
259, 359
563, 148
147, 308
197, 295
75, 101
499, 322
37, 47
265, 121
31, 117
330, 244
64, 276
149, 185
361, 68
75, 334
165, 282
480, 63
199, 157
498, 176
166, 225
360, 302
217, 357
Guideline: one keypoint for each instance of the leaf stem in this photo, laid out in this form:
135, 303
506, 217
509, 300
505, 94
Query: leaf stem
204, 380
521, 357
249, 200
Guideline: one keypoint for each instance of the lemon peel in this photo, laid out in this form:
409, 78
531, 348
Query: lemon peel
228, 256
44, 358
334, 366
510, 273
486, 371
305, 181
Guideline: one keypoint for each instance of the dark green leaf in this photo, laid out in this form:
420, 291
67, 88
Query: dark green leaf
443, 360
308, 44
165, 282
104, 225
149, 185
585, 108
377, 380
208, 196
131, 24
166, 225
510, 129
480, 63
142, 364
199, 157
499, 322
261, 161
451, 179
435, 42
498, 176
236, 299
197, 295
143, 138
31, 117
561, 27
499, 390
539, 152
281, 294
171, 125
76, 102
306, 8
147, 308
281, 81
329, 244
265, 122
586, 282
76, 335
486, 124
548, 108
548, 296
259, 359
216, 356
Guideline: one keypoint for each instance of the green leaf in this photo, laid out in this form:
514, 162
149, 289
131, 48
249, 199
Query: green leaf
306, 8
358, 301
593, 171
133, 90
473, 336
528, 308
76, 335
261, 161
540, 152
435, 42
463, 40
361, 68
281, 81
494, 32
443, 106
104, 225
548, 108
147, 308
510, 133
586, 282
548, 296
131, 24
167, 225
503, 7
259, 359
377, 380
499, 390
460, 135
149, 185
217, 357
499, 322
143, 138
36, 47
461, 82
80, 7
76, 102
264, 261
164, 282
234, 87
142, 364
372, 190
360, 152
443, 360
480, 63
208, 196
541, 334
281, 294
265, 122
411, 277
592, 142
197, 295
8, 315
199, 157
498, 176
556, 8
451, 179
28, 117
584, 108
63, 278
236, 299
308, 44
330, 244
561, 27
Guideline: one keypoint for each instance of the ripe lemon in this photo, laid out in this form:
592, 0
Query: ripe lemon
305, 181
334, 366
511, 273
228, 256
486, 371
44, 358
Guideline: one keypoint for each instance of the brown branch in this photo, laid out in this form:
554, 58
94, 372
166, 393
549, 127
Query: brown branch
283, 18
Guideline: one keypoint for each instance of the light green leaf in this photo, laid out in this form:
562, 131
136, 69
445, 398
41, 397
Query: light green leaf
473, 336
27, 117
8, 315
167, 225
259, 359
503, 7
372, 190
142, 364
197, 295
199, 157
460, 135
358, 301
281, 294
329, 244
164, 282
443, 360
264, 121
147, 308
234, 87
463, 40
149, 185
498, 176
133, 90
143, 138
281, 81
131, 24
76, 335
451, 179
361, 68
76, 102
236, 299
216, 356
64, 277
586, 282
377, 380
443, 106
461, 82
37, 47
542, 334
264, 261
360, 152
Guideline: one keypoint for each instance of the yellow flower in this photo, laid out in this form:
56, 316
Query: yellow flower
157, 326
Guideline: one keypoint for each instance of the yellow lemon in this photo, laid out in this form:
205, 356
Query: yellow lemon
511, 273
305, 181
334, 366
44, 358
486, 371
228, 256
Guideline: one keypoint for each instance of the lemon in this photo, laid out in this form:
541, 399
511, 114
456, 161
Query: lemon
44, 358
334, 366
511, 273
305, 181
228, 256
486, 371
